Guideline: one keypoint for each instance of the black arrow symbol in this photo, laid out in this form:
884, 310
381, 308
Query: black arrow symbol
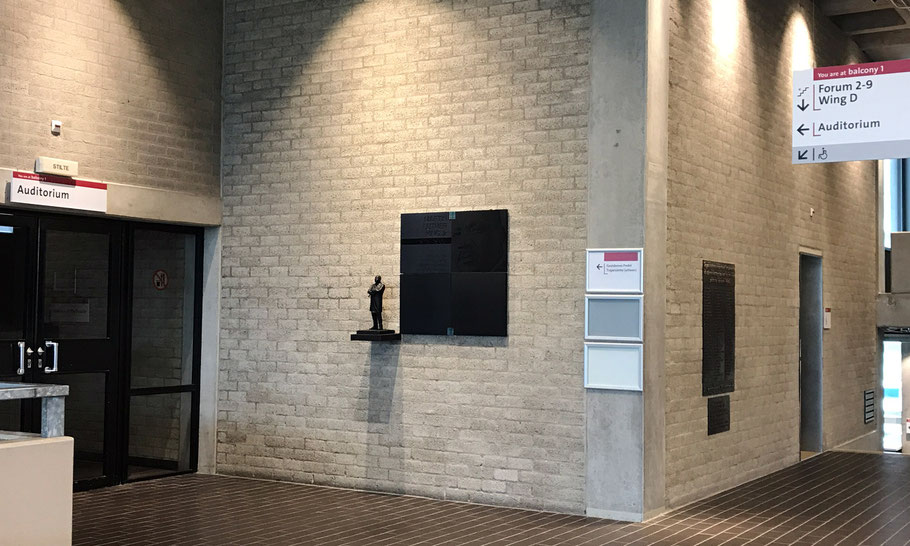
803, 105
803, 155
599, 266
802, 129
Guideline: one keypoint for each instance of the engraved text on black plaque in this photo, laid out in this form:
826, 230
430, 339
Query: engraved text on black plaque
718, 414
718, 328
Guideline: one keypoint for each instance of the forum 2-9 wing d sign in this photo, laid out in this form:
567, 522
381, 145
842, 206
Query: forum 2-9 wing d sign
851, 113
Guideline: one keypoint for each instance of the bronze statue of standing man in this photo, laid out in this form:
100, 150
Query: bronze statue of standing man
375, 293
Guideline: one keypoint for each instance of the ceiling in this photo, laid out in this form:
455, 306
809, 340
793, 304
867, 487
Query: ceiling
878, 27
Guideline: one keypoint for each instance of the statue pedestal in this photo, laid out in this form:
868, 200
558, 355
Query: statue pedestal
375, 335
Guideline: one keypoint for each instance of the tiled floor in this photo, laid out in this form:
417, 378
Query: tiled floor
834, 498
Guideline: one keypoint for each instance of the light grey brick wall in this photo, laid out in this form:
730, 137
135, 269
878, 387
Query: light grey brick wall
136, 84
733, 196
339, 116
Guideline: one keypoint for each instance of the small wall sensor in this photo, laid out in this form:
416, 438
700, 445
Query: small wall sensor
56, 125
811, 212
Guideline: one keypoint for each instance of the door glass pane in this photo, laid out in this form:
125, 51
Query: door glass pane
13, 255
163, 309
159, 434
76, 285
84, 421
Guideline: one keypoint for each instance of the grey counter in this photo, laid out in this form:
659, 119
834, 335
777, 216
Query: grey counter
52, 403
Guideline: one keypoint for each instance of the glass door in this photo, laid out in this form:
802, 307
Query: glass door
164, 352
78, 310
113, 311
59, 306
18, 254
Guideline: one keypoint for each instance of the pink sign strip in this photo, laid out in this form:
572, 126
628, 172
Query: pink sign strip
620, 256
862, 70
49, 178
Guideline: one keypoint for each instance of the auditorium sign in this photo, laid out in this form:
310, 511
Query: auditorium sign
850, 113
57, 191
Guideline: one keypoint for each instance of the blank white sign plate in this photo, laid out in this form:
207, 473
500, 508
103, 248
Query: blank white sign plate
613, 366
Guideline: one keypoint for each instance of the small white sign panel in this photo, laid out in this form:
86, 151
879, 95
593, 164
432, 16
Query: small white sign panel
850, 113
613, 366
827, 320
614, 270
52, 165
57, 191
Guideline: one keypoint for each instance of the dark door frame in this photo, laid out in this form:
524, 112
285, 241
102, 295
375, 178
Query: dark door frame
126, 349
85, 359
77, 356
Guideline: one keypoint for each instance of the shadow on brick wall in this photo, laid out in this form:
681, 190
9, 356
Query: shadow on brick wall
384, 359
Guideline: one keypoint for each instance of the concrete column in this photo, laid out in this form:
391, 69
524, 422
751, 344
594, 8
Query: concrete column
625, 471
208, 383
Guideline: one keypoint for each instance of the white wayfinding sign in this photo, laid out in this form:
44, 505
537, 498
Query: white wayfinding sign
57, 191
850, 113
614, 270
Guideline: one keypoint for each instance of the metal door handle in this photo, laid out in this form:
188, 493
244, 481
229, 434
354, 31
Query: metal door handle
53, 345
21, 370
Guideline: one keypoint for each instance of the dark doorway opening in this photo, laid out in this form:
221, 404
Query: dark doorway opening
811, 324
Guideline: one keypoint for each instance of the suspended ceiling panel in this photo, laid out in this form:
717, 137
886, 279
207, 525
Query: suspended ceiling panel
877, 26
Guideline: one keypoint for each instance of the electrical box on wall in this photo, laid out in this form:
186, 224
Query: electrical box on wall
827, 321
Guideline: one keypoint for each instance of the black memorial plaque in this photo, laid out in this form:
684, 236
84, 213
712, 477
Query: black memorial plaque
718, 414
454, 273
718, 328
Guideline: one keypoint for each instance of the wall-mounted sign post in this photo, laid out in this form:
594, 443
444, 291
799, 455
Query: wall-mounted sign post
614, 313
851, 113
